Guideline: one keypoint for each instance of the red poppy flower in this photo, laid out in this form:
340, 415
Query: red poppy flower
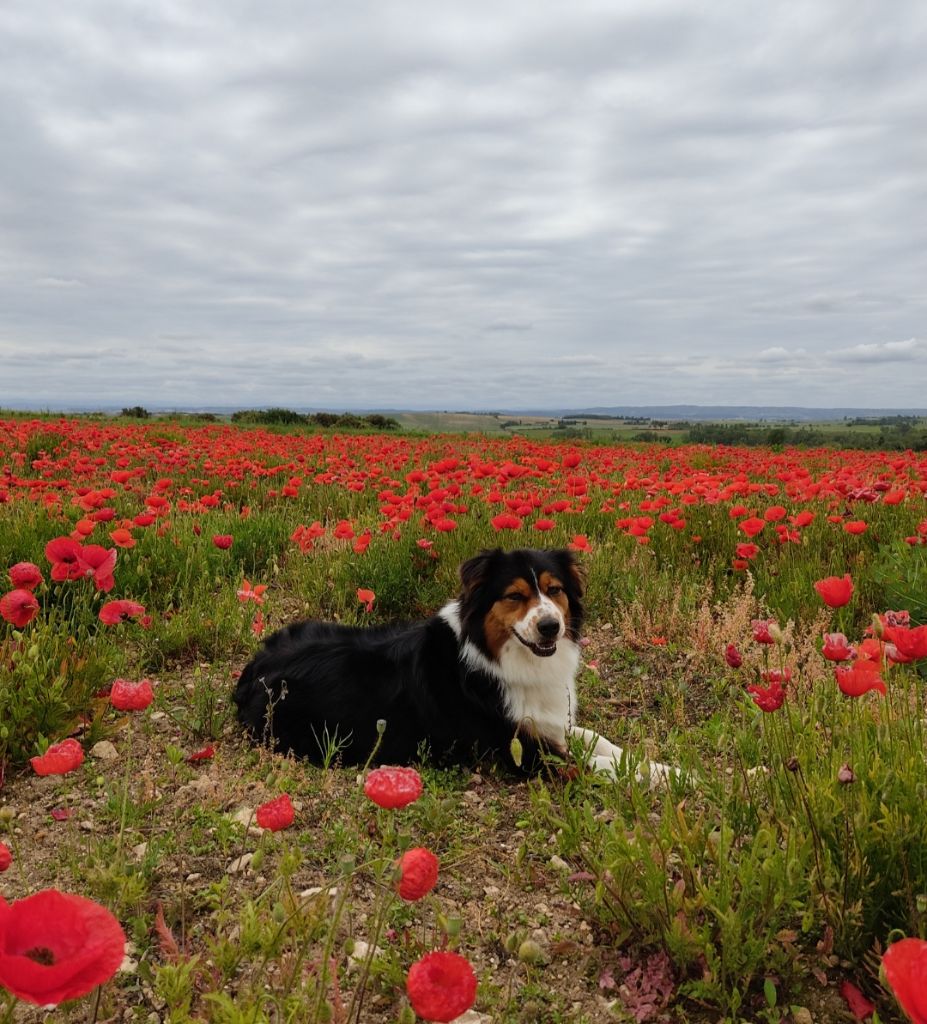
859, 678
442, 526
762, 631
248, 593
223, 541
752, 526
835, 591
25, 576
362, 543
544, 524
205, 754
441, 986
838, 648
911, 643
905, 966
56, 946
366, 598
276, 814
344, 530
856, 526
59, 759
418, 873
732, 656
505, 521
747, 550
774, 513
393, 787
580, 543
126, 696
6, 858
19, 607
857, 1003
122, 538
98, 562
769, 698
63, 554
114, 612
257, 623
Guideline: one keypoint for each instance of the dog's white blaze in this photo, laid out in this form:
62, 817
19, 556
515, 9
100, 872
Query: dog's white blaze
545, 608
537, 691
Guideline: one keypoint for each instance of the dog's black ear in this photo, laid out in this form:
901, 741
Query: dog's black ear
573, 569
475, 570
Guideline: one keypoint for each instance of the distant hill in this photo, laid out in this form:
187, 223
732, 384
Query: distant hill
746, 413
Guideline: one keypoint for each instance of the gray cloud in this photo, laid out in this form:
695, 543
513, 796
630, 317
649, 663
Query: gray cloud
481, 205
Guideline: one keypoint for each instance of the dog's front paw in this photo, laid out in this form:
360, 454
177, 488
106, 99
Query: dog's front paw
656, 775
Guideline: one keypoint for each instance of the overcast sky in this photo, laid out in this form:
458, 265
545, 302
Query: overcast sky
463, 205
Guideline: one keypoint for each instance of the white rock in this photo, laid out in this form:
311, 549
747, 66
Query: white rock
104, 751
240, 864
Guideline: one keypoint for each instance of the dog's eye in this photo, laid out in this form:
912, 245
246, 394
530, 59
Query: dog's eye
554, 591
515, 596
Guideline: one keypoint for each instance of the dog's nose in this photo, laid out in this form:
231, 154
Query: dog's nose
548, 627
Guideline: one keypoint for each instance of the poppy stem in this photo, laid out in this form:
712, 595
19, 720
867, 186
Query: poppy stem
95, 1005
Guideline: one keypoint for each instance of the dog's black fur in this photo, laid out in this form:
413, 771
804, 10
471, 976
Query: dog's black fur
314, 682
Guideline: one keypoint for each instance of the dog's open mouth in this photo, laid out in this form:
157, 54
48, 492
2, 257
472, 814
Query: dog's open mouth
543, 649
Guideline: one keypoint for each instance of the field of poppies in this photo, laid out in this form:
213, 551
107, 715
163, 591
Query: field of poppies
757, 617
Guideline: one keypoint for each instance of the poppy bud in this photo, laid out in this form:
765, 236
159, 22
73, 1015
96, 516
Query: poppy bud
732, 656
845, 774
792, 764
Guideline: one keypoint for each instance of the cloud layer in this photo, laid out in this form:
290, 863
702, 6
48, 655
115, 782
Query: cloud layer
403, 204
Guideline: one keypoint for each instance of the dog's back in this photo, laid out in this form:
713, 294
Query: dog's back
315, 688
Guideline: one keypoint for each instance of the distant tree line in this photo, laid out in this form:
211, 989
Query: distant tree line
898, 436
287, 417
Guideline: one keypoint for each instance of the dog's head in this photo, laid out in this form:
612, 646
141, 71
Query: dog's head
532, 596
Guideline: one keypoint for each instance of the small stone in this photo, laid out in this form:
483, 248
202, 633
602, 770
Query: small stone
139, 850
87, 826
559, 863
104, 751
240, 864
194, 876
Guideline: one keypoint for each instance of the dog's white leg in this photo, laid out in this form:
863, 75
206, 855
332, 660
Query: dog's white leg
604, 758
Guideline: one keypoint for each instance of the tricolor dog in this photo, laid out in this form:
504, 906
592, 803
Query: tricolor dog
497, 662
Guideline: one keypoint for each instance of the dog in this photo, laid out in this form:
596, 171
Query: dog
497, 663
